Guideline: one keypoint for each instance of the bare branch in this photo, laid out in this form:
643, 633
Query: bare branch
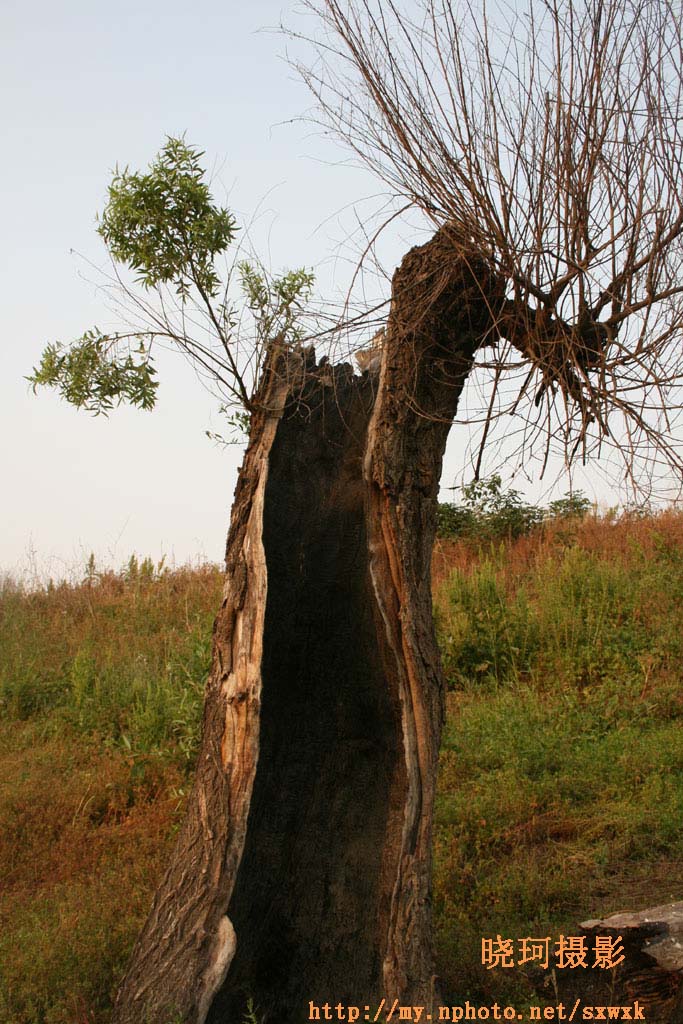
549, 139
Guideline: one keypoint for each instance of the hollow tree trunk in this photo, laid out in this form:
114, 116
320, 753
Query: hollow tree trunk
303, 868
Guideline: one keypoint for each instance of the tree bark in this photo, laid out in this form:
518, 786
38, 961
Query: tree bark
648, 965
302, 872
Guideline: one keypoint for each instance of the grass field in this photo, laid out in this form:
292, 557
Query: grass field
561, 778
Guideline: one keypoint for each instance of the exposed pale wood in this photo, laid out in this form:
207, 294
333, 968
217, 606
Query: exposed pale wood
184, 952
437, 321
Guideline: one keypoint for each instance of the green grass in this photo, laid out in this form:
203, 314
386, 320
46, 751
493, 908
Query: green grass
84, 833
561, 776
101, 687
124, 656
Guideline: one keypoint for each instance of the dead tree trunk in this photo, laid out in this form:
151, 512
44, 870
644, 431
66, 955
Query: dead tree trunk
303, 869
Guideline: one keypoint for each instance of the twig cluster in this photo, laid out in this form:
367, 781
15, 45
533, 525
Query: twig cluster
549, 138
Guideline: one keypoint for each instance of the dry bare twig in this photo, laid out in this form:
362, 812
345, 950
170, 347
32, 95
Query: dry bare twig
549, 139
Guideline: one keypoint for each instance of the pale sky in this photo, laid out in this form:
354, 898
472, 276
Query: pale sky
86, 85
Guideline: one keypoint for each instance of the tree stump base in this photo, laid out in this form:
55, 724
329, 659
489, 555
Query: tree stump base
651, 972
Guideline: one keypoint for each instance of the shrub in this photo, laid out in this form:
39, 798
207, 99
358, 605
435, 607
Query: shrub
488, 513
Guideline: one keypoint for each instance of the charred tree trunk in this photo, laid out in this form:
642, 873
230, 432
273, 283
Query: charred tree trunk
303, 869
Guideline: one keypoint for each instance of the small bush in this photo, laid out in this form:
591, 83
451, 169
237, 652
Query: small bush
488, 513
571, 506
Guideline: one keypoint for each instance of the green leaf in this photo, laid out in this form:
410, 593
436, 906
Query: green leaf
164, 224
98, 371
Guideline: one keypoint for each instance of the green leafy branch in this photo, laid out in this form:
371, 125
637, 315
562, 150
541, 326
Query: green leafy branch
92, 375
277, 303
165, 227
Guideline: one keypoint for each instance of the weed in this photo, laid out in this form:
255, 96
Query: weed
124, 656
561, 773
